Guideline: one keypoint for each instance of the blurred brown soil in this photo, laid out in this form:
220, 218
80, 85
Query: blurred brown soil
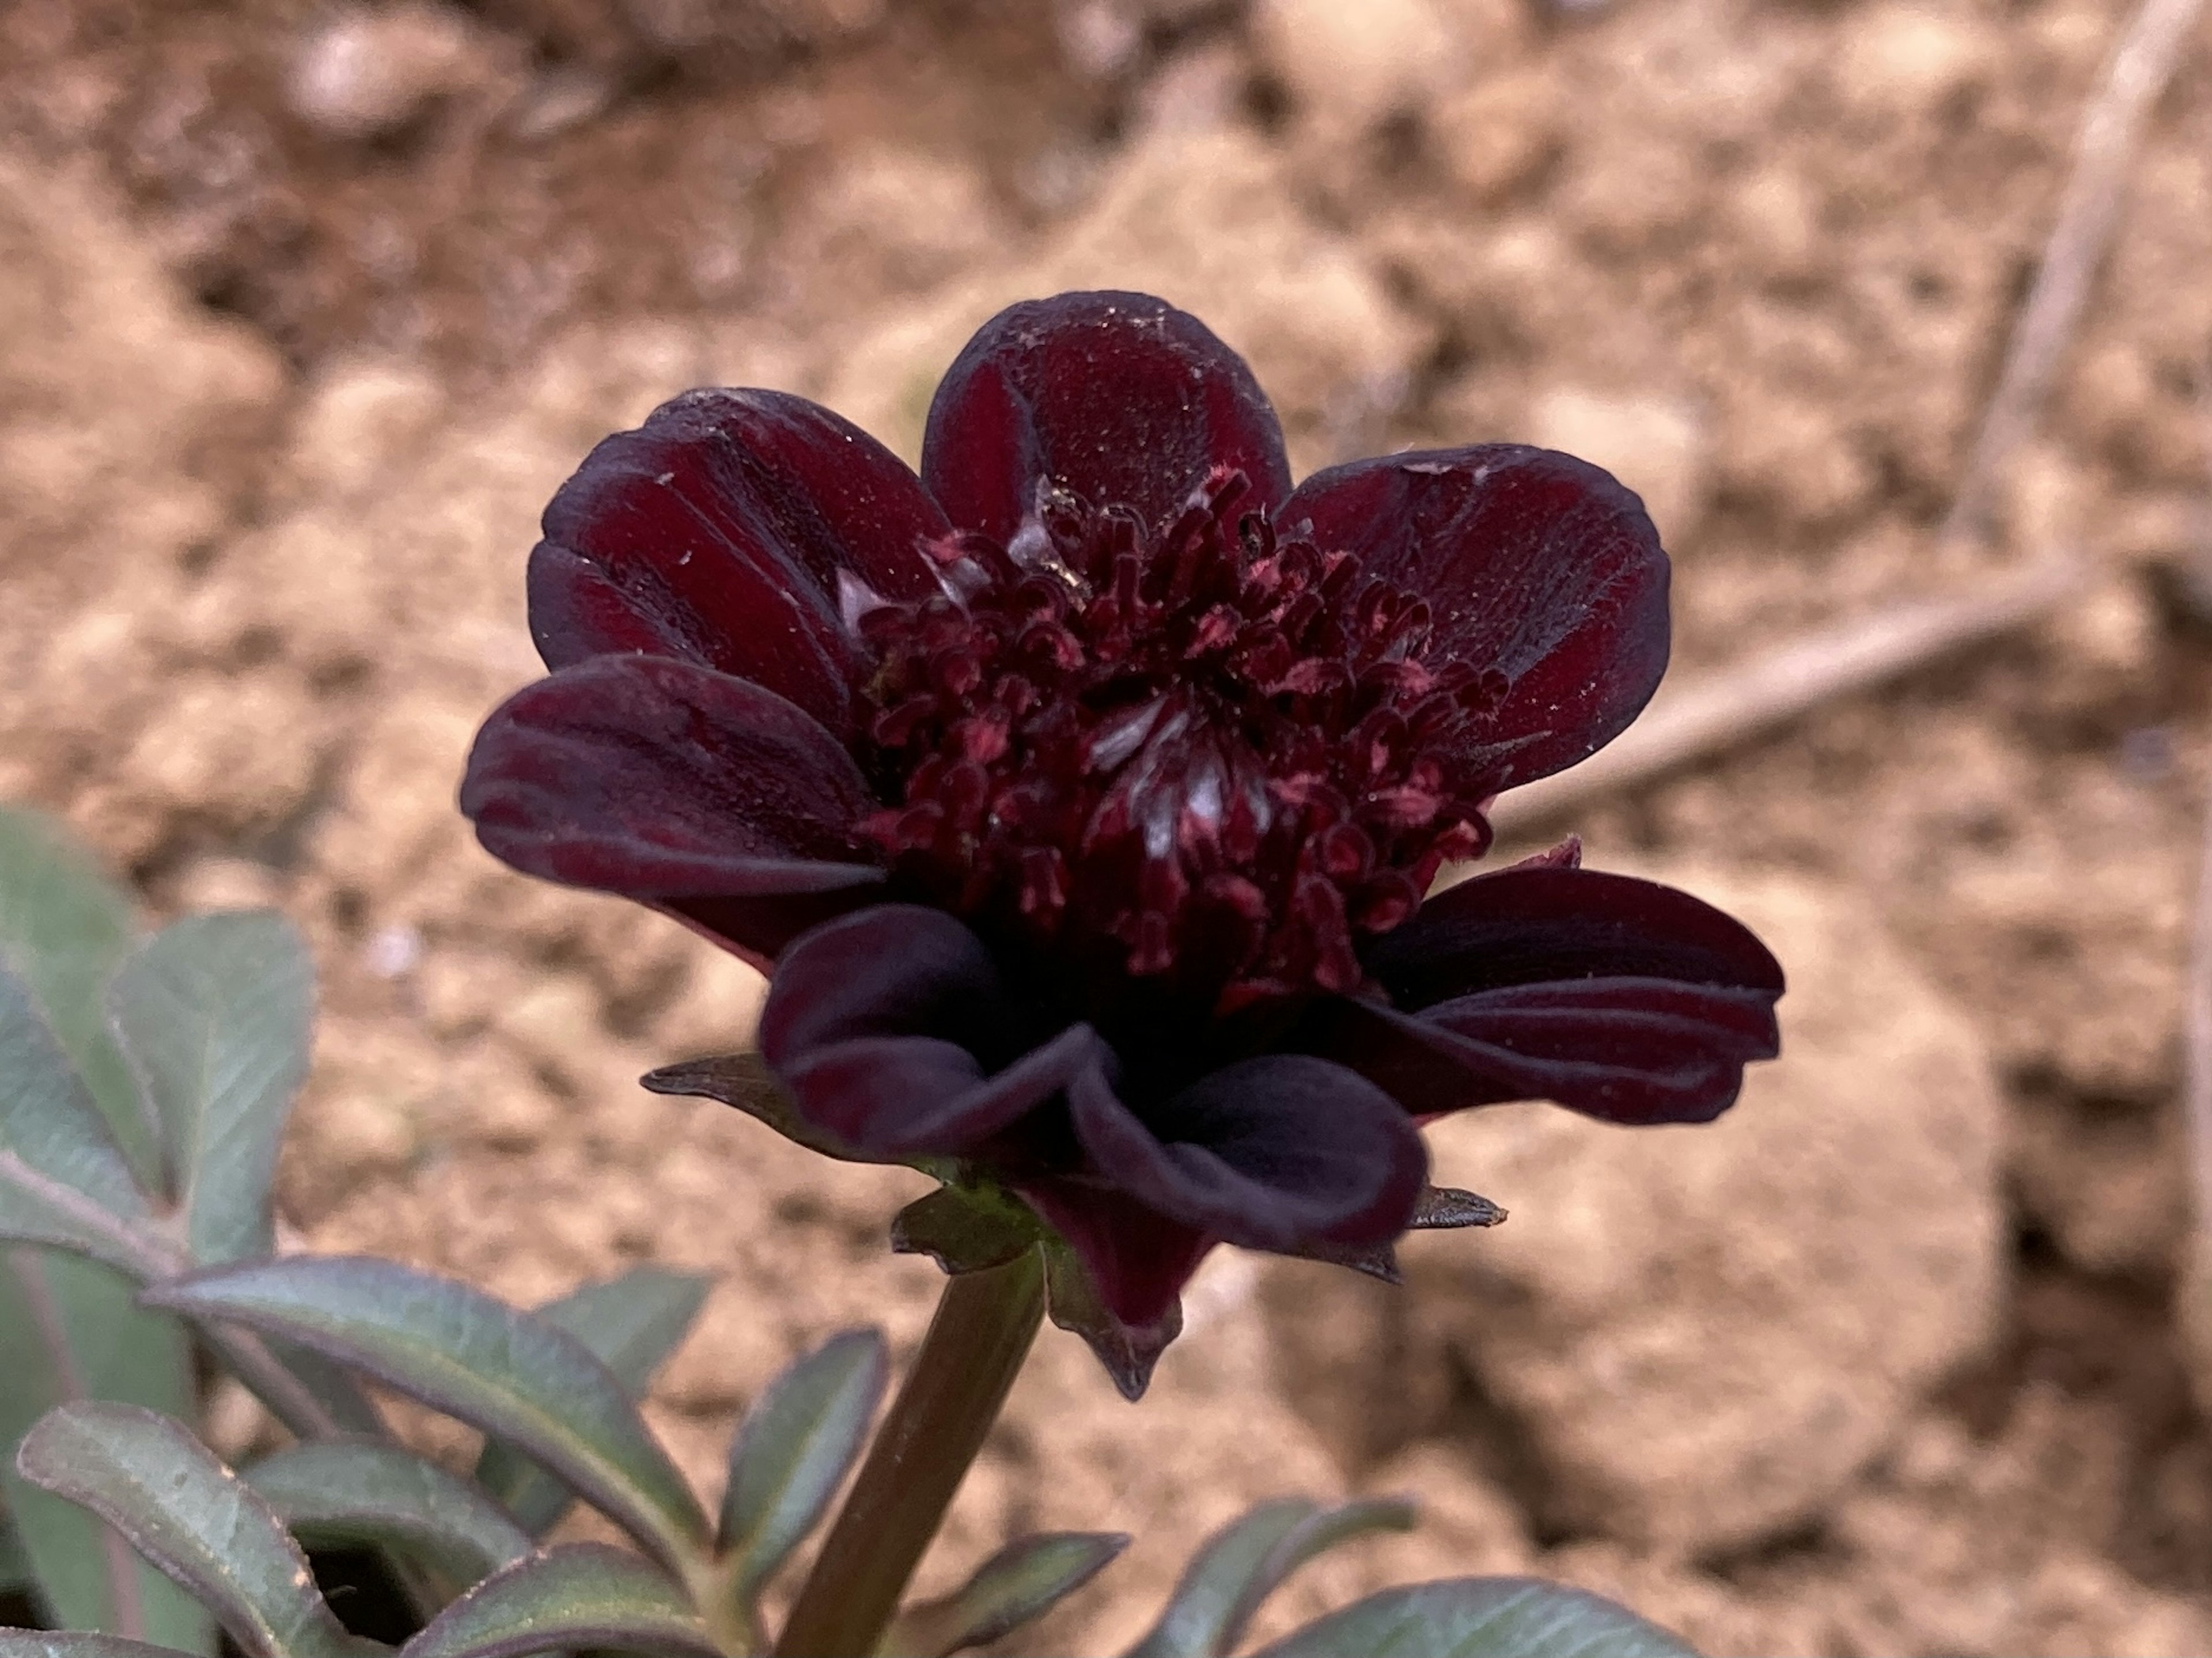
297, 333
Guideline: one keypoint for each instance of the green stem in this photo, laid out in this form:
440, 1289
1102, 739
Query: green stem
976, 1345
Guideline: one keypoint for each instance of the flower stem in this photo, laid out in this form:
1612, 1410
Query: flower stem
976, 1345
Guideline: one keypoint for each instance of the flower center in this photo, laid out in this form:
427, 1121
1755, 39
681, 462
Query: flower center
1215, 754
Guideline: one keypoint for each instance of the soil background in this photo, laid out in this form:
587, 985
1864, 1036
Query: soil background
306, 310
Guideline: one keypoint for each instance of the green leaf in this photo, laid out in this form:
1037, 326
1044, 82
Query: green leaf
74, 1643
793, 1451
631, 1324
86, 1339
1027, 1577
215, 1015
152, 1481
1242, 1564
64, 926
584, 1596
47, 1118
461, 1351
1480, 1618
37, 1209
374, 1493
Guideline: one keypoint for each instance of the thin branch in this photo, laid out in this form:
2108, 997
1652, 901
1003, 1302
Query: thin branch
290, 1399
1702, 717
2104, 151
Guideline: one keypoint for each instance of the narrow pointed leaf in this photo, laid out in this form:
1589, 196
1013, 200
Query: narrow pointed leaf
70, 1329
1198, 1620
793, 1451
213, 1015
152, 1481
584, 1596
35, 1208
1480, 1618
74, 1644
64, 927
1242, 1564
340, 1491
631, 1323
1026, 1578
47, 1117
459, 1349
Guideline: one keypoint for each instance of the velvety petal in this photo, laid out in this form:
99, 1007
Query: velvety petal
901, 1096
1120, 397
1634, 1051
1533, 563
730, 531
663, 781
1137, 1261
887, 970
1535, 924
1271, 1152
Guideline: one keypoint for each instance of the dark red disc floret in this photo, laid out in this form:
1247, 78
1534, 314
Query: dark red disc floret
1217, 750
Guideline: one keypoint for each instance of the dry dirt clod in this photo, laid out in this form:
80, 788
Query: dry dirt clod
371, 71
1703, 1336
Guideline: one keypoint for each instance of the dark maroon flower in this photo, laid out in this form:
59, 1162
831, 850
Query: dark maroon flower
1084, 793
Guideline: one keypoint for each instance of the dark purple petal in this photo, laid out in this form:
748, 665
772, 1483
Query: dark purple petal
906, 1097
1635, 1051
887, 970
1533, 563
1120, 397
669, 783
1137, 1262
1271, 1152
1534, 924
730, 531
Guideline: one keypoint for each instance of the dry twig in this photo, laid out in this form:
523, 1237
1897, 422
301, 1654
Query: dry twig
1699, 719
2140, 66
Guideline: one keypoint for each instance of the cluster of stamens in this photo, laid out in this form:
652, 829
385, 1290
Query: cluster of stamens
1219, 749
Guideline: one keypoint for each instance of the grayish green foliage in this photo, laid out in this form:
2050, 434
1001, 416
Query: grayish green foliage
631, 1323
1480, 1618
1242, 1564
215, 1015
91, 1342
793, 1451
341, 1491
1021, 1581
64, 927
583, 1597
39, 1643
459, 1350
187, 1514
47, 1117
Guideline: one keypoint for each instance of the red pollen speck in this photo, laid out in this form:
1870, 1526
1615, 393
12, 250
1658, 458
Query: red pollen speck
1205, 750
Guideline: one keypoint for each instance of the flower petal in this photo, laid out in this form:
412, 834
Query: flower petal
1137, 1263
673, 784
727, 531
1120, 397
1533, 563
887, 970
1634, 1051
1534, 924
1272, 1152
908, 1096
1615, 997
